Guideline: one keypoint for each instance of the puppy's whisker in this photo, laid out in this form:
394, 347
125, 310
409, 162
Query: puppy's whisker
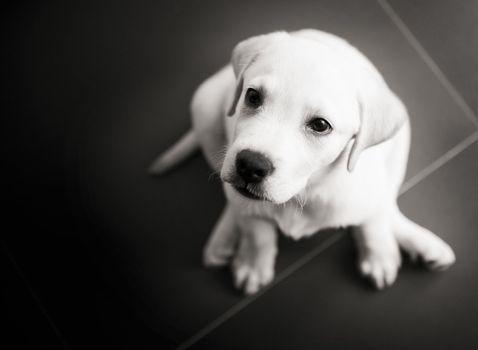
300, 202
214, 175
220, 154
304, 195
300, 208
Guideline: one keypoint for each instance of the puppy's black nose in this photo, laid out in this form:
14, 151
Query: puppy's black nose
253, 167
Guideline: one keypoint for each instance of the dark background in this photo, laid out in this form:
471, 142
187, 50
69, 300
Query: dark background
96, 253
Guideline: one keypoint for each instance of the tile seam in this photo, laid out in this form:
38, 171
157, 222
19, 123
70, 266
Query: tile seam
438, 163
35, 297
413, 41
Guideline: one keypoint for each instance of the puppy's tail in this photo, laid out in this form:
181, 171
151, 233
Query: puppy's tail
181, 150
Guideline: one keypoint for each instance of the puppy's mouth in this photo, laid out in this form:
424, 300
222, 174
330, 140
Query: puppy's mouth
248, 192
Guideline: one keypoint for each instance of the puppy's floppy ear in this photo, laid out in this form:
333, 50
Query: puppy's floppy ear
381, 115
237, 95
244, 54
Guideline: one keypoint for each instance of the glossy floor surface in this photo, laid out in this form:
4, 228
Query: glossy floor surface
96, 253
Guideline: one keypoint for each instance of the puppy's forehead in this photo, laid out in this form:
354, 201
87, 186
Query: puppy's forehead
300, 55
299, 64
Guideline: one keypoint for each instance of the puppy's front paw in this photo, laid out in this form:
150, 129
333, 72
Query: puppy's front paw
380, 267
252, 274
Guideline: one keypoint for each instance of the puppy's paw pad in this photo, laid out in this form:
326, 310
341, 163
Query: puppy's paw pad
251, 278
438, 257
380, 269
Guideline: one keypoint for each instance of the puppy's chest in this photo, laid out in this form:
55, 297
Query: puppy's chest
298, 222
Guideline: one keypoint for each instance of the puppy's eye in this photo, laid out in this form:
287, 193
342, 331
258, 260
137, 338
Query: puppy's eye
253, 98
319, 125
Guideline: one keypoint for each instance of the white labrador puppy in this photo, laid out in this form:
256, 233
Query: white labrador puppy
306, 135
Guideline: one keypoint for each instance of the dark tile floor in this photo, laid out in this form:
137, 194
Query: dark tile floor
98, 254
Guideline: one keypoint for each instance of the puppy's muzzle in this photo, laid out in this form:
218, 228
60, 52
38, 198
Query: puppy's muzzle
253, 167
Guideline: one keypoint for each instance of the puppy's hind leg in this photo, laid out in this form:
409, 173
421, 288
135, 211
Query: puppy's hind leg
420, 243
222, 243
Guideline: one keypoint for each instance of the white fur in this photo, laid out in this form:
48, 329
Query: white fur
319, 181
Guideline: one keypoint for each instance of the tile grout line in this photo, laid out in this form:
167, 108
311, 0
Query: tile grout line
413, 41
35, 297
438, 163
236, 308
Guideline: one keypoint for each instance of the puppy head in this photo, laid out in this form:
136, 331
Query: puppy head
296, 107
